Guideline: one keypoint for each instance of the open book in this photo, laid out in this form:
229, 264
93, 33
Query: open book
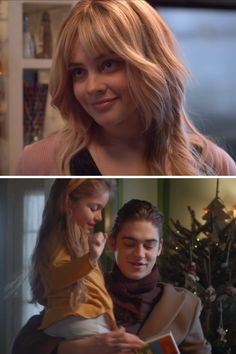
162, 344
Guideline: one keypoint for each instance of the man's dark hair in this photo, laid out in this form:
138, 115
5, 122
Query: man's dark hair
138, 210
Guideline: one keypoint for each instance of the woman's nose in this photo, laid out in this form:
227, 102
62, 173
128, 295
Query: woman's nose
95, 83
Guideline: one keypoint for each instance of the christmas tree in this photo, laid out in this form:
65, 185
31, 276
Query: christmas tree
203, 260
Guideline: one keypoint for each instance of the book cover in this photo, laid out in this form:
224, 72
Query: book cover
163, 344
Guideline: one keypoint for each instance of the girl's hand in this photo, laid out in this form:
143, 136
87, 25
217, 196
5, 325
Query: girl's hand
115, 342
97, 243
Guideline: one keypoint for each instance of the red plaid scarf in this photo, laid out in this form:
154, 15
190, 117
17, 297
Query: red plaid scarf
133, 299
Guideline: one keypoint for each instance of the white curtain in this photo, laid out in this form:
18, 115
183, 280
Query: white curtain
33, 205
23, 203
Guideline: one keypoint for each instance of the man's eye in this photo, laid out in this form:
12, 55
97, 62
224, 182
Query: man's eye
128, 244
150, 245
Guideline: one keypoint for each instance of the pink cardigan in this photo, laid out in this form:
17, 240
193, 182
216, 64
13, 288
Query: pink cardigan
40, 159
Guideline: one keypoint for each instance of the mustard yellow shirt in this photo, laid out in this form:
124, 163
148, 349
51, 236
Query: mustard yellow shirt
58, 281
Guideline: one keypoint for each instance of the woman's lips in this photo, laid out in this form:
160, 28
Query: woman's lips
103, 105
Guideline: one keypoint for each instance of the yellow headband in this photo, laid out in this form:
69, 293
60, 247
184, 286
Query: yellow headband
74, 184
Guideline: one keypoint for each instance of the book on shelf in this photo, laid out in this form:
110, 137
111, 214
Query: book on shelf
161, 344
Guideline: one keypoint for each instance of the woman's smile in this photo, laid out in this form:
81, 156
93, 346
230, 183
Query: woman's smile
104, 105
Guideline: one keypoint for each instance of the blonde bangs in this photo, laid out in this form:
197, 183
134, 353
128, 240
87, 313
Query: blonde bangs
60, 86
99, 32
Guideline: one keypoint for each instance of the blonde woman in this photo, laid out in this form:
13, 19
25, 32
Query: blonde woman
66, 277
119, 85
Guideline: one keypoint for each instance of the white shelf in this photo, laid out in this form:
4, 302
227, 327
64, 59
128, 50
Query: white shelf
17, 64
36, 64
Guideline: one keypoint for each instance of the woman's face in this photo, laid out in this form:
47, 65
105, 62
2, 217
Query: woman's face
100, 85
136, 248
88, 211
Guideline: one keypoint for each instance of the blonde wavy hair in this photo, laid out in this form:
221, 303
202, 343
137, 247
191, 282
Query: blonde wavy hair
58, 229
134, 31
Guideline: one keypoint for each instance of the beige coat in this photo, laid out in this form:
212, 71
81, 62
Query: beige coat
178, 311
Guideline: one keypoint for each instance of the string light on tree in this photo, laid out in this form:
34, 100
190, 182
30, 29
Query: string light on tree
203, 259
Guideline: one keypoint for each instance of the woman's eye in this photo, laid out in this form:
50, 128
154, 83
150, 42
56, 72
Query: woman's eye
110, 65
77, 73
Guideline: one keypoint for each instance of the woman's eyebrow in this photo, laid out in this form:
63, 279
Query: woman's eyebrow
97, 58
75, 63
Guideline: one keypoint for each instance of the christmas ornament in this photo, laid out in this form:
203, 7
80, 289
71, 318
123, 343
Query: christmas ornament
231, 291
220, 330
191, 277
210, 294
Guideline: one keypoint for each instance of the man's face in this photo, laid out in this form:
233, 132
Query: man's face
136, 248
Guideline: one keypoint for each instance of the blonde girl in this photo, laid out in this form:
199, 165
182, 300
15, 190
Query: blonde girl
66, 277
119, 85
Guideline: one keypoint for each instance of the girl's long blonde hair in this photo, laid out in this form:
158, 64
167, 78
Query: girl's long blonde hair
59, 230
133, 30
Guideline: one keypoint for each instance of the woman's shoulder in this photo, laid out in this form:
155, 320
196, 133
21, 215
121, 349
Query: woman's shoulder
227, 162
39, 158
221, 162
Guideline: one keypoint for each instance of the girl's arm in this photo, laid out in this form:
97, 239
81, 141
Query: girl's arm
67, 272
115, 342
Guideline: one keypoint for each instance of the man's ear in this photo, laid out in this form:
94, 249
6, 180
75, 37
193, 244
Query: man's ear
160, 248
112, 243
